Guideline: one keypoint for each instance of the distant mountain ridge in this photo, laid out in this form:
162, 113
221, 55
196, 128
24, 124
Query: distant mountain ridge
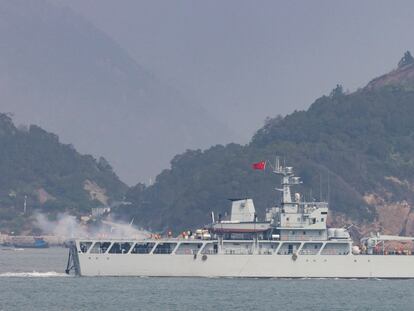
360, 146
60, 72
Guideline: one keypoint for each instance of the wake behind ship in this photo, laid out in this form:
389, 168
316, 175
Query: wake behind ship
293, 242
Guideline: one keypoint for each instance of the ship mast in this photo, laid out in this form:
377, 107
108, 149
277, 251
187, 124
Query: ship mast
288, 180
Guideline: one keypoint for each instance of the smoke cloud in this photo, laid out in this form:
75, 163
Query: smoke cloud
68, 226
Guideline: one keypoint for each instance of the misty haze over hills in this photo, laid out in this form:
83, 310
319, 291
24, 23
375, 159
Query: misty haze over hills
60, 72
246, 60
99, 78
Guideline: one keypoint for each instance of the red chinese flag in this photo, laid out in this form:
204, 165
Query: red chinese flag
259, 165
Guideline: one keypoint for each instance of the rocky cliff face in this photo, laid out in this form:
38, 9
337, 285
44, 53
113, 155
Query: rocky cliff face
395, 218
402, 76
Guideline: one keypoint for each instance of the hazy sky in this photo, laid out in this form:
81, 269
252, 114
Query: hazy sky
245, 60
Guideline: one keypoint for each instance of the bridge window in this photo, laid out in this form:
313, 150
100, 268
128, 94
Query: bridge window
100, 247
120, 248
164, 248
142, 248
84, 246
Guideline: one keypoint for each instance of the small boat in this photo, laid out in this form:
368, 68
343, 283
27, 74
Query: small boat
38, 243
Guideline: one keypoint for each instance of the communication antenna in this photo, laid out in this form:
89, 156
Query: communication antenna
277, 164
329, 188
25, 205
320, 187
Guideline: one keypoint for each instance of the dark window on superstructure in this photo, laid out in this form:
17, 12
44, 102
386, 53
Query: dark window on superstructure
84, 246
287, 218
100, 247
120, 248
164, 248
142, 248
322, 219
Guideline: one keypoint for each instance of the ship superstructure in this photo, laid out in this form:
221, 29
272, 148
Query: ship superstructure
292, 241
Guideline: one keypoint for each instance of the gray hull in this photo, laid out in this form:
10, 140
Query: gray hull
268, 266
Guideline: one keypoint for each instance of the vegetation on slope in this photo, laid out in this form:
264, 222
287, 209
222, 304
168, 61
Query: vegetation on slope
345, 147
51, 175
359, 143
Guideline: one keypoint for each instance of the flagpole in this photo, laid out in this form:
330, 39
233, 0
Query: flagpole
270, 164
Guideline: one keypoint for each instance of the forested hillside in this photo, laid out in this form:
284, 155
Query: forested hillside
52, 176
349, 148
355, 150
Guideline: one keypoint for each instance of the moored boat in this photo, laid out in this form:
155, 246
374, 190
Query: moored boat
37, 242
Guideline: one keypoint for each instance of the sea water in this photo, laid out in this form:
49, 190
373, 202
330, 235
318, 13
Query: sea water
34, 279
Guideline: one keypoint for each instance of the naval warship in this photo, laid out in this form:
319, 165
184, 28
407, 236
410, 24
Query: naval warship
293, 241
